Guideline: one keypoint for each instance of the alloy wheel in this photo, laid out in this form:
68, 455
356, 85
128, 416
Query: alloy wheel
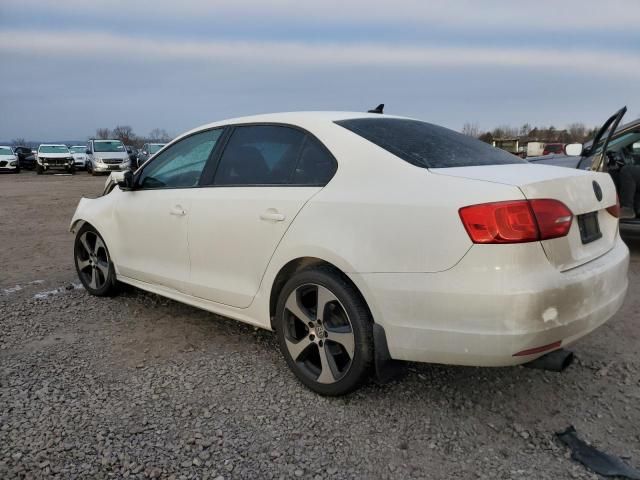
318, 333
92, 259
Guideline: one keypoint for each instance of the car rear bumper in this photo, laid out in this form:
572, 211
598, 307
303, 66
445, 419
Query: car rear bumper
483, 312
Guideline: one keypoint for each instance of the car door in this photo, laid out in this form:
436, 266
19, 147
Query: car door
262, 179
153, 217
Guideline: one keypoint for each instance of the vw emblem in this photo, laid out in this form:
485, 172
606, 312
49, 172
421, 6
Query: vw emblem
597, 190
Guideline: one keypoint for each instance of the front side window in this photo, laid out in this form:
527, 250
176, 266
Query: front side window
155, 147
260, 155
426, 145
108, 146
181, 165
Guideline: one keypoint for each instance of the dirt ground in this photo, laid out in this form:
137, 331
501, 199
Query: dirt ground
138, 386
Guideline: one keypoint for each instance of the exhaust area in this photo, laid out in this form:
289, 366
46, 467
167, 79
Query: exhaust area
555, 361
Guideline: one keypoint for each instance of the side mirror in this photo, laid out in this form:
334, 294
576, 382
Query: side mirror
573, 149
127, 182
87, 151
145, 152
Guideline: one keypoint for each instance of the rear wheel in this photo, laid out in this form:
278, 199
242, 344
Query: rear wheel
93, 263
325, 331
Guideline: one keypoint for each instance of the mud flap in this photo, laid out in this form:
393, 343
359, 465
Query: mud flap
386, 368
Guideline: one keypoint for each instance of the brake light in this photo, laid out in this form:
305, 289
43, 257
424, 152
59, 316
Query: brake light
516, 221
614, 210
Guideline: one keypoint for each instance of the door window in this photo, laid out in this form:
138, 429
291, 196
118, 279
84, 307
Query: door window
315, 166
181, 165
260, 155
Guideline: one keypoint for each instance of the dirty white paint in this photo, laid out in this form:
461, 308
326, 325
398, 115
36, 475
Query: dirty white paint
550, 314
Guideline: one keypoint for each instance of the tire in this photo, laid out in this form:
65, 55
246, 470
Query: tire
334, 350
39, 170
72, 170
89, 169
17, 170
93, 263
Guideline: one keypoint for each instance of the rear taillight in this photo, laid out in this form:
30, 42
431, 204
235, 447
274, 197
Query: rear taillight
615, 209
516, 221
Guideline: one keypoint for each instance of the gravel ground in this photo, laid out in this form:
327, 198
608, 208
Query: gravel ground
138, 386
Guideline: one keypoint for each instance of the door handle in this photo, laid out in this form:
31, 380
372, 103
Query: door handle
272, 215
178, 211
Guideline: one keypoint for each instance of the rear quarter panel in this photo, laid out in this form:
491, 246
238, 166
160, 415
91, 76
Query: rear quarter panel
382, 214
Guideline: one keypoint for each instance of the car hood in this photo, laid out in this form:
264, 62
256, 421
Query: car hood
7, 157
79, 155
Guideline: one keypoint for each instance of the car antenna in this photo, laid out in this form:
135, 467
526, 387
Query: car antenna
378, 109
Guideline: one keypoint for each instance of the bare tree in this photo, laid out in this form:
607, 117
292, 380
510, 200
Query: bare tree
124, 133
577, 132
103, 133
525, 129
471, 129
18, 141
159, 135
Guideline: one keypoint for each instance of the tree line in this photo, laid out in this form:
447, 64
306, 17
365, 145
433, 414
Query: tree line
574, 133
126, 135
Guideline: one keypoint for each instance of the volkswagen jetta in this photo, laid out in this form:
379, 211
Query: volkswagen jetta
363, 237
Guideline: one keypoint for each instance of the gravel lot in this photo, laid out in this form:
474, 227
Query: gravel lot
142, 387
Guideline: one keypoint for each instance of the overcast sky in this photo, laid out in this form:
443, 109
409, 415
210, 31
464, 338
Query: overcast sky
71, 66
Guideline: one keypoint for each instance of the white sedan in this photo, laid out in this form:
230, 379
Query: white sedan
8, 160
361, 238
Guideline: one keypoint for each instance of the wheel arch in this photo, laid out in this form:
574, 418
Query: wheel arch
301, 263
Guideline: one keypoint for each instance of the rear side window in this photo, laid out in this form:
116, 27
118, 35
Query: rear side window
260, 155
425, 145
315, 166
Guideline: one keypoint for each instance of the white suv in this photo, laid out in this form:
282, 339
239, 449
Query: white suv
104, 156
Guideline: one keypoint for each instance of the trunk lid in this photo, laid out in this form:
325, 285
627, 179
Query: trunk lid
577, 189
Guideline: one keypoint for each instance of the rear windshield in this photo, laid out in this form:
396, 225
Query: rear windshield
425, 145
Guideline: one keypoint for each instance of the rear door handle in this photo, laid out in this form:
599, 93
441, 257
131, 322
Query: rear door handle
178, 211
272, 215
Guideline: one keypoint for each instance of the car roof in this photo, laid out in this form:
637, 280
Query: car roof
302, 119
53, 145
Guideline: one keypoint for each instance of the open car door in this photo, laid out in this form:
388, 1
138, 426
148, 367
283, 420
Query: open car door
609, 127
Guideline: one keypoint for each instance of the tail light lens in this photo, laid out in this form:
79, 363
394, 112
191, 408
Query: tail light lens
615, 209
516, 221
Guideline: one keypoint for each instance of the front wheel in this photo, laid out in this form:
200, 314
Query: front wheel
93, 263
39, 170
325, 331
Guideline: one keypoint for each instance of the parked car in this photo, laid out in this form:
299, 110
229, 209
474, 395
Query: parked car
79, 153
610, 142
550, 148
26, 158
106, 156
361, 238
8, 160
148, 150
54, 157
